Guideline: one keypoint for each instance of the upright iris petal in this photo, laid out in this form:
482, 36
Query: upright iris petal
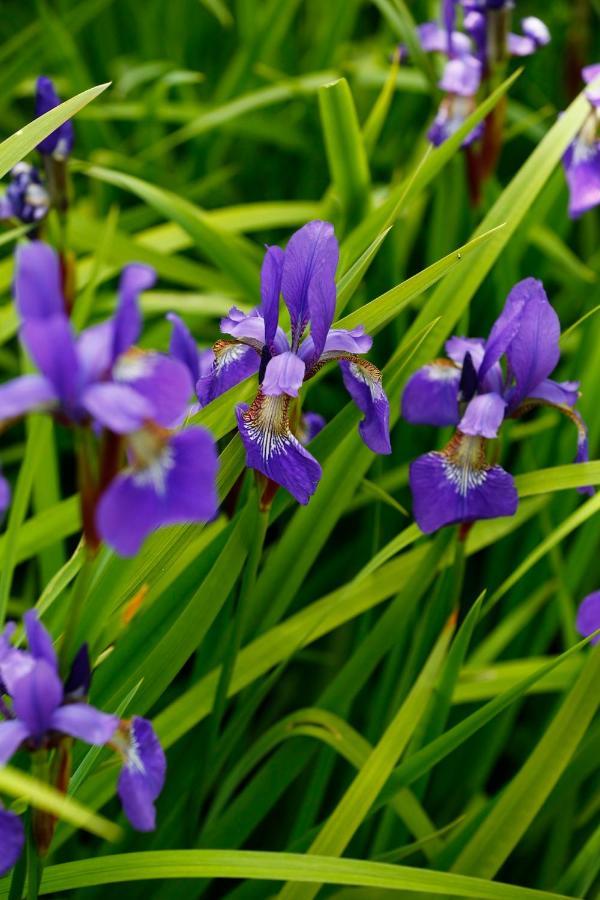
59, 143
270, 288
308, 281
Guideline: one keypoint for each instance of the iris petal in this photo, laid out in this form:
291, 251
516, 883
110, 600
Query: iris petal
272, 449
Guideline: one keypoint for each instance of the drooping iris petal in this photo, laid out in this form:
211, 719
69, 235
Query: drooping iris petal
142, 776
163, 382
272, 449
183, 346
581, 163
38, 282
284, 375
270, 289
135, 278
363, 382
51, 344
457, 485
176, 487
533, 353
36, 695
232, 363
588, 616
25, 393
60, 142
12, 735
338, 341
461, 76
556, 392
535, 35
12, 839
308, 281
431, 395
483, 416
82, 721
521, 45
39, 640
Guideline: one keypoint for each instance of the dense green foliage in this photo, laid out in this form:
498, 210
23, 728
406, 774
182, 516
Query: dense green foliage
410, 711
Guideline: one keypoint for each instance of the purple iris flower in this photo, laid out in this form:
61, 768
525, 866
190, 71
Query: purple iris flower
59, 144
40, 708
95, 375
472, 392
39, 711
26, 198
99, 378
467, 53
588, 616
305, 275
581, 161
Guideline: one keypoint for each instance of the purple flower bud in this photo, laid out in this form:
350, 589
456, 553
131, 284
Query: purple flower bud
59, 143
26, 198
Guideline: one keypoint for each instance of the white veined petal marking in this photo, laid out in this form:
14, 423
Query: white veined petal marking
442, 371
134, 759
226, 353
369, 375
156, 472
464, 462
267, 424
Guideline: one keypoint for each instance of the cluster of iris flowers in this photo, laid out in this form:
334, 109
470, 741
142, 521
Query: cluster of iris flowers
140, 467
44, 712
472, 55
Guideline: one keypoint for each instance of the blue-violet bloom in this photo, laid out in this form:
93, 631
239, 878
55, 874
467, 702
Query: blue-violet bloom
26, 198
304, 274
99, 379
39, 712
472, 392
